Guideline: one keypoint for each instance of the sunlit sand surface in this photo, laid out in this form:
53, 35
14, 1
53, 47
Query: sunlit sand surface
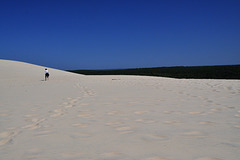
72, 117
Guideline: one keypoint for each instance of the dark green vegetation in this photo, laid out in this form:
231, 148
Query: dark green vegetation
199, 72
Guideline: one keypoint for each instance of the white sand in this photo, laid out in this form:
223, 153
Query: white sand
76, 117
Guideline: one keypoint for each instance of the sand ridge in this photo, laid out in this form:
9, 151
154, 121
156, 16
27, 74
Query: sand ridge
115, 117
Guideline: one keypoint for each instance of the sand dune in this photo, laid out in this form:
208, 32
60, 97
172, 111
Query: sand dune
72, 117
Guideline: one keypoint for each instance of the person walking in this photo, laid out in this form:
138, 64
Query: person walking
46, 74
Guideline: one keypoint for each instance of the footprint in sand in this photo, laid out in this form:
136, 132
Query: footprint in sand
216, 109
7, 137
237, 126
114, 124
5, 141
113, 112
194, 134
145, 120
112, 155
85, 115
140, 112
237, 115
230, 107
169, 112
69, 106
73, 101
35, 124
158, 158
38, 120
108, 104
44, 133
208, 158
207, 100
31, 126
33, 153
88, 94
70, 155
196, 113
231, 144
135, 102
4, 115
125, 130
80, 135
80, 125
84, 104
172, 122
30, 115
154, 137
57, 112
207, 122
65, 103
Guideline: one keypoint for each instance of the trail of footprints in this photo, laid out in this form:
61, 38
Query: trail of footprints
36, 122
121, 126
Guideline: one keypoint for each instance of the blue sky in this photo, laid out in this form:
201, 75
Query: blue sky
109, 34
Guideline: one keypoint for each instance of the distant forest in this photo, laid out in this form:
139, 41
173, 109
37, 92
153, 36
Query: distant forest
196, 72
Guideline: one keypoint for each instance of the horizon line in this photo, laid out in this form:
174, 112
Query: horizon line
158, 67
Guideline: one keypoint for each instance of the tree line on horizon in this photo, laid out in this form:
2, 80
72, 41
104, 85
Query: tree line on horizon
189, 72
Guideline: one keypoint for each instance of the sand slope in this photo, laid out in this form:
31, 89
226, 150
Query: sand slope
76, 117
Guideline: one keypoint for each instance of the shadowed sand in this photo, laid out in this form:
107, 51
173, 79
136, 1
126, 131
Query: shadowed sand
76, 117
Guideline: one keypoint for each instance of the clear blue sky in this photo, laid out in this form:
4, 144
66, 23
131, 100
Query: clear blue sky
109, 34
